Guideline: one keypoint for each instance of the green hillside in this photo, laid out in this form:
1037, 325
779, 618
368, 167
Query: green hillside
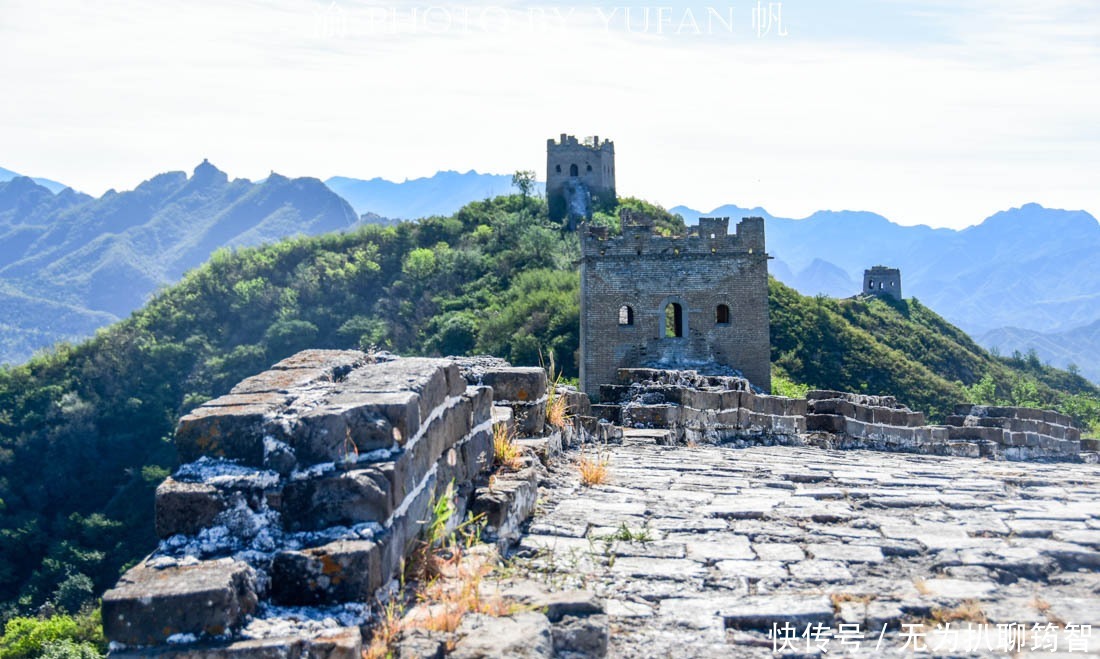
85, 430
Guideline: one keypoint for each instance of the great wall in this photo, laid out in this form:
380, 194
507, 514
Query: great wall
724, 521
304, 489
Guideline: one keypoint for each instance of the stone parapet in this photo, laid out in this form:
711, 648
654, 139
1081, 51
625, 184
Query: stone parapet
306, 486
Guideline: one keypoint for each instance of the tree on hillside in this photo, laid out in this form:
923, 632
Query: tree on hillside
524, 181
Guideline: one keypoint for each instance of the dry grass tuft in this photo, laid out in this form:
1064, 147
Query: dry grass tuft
968, 611
506, 452
386, 632
1043, 606
841, 598
593, 469
557, 411
921, 586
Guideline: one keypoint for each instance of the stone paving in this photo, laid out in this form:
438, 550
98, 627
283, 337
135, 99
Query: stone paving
713, 551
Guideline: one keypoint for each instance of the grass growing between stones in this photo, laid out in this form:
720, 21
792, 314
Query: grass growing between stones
557, 410
594, 469
506, 452
444, 580
968, 611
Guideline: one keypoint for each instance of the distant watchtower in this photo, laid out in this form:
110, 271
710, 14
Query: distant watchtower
696, 301
883, 281
580, 177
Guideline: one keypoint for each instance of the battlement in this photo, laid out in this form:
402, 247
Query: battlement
710, 238
592, 142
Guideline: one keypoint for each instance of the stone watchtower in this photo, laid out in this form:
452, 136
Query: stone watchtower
883, 281
580, 177
684, 302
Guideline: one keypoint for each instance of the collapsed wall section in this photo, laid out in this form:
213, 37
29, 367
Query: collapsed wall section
700, 408
300, 494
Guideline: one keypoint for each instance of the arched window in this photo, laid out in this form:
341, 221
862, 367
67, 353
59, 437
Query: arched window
626, 315
589, 168
573, 170
674, 321
557, 169
722, 316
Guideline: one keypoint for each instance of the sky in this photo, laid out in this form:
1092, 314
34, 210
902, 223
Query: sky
936, 112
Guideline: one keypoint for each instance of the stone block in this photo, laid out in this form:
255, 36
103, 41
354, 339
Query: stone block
476, 454
831, 423
1054, 417
834, 406
338, 643
613, 393
186, 507
963, 449
481, 404
1090, 444
149, 605
447, 429
795, 407
731, 400
656, 416
234, 432
864, 414
337, 362
282, 381
963, 409
507, 504
760, 612
338, 499
609, 413
530, 417
1073, 434
855, 428
520, 636
824, 394
354, 423
433, 380
342, 571
525, 385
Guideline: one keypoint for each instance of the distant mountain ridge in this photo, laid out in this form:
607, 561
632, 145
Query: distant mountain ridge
1025, 270
70, 263
52, 186
1077, 347
443, 193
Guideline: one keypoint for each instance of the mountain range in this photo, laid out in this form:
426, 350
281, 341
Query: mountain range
70, 263
1021, 279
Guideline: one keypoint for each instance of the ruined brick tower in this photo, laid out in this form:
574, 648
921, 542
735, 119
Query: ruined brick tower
580, 177
884, 281
675, 302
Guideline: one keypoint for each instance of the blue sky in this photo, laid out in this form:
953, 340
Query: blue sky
931, 112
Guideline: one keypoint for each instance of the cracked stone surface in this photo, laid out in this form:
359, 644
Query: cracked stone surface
700, 550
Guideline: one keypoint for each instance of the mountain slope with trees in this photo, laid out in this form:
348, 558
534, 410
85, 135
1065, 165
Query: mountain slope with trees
97, 260
85, 430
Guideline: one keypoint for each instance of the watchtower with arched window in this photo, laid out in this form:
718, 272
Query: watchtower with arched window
580, 177
691, 301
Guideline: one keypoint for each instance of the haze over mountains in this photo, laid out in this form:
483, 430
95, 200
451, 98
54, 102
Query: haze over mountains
69, 263
441, 194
